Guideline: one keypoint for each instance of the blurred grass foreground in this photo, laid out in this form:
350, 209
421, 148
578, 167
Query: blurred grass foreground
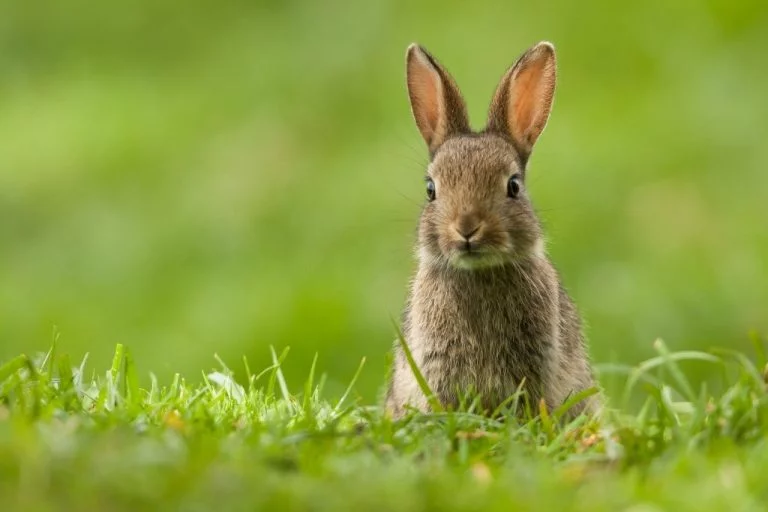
201, 178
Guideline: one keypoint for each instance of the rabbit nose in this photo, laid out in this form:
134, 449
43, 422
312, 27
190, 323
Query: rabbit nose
467, 227
467, 234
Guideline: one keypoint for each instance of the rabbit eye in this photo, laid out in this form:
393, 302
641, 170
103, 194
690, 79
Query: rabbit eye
513, 186
430, 189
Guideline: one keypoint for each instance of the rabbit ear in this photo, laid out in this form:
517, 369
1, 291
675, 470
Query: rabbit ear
436, 102
523, 100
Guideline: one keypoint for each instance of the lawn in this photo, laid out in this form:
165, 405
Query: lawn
73, 438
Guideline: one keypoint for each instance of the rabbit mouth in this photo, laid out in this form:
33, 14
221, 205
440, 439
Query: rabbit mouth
471, 255
470, 249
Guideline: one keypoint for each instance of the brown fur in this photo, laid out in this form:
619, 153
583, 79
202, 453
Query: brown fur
493, 316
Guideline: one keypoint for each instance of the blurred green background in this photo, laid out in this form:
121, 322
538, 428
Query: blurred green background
191, 178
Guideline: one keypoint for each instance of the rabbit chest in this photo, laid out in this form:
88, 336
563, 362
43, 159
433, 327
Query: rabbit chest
485, 331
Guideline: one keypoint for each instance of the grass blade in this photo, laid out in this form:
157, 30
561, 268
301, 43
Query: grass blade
66, 378
573, 400
12, 366
350, 386
432, 400
649, 364
307, 405
674, 369
117, 360
546, 421
50, 356
80, 372
278, 372
131, 378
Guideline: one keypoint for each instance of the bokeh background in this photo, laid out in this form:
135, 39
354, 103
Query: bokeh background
198, 178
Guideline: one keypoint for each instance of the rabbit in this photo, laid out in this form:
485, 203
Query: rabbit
486, 312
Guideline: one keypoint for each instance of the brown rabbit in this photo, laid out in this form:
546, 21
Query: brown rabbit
486, 310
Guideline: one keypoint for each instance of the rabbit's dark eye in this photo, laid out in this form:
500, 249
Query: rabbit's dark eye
430, 189
513, 186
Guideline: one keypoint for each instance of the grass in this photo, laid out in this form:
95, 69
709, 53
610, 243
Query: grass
73, 440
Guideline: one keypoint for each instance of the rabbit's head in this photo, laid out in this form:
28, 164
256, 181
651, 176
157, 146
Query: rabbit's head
478, 213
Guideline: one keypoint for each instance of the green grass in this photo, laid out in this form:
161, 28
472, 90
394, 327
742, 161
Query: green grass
71, 439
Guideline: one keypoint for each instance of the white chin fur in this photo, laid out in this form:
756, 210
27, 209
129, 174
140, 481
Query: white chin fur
476, 262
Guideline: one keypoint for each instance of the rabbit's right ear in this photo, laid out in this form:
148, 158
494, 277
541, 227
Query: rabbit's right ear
436, 103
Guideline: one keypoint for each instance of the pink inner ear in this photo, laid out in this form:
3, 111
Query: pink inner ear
424, 90
531, 93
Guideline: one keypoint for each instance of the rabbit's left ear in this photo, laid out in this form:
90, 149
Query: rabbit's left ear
523, 100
